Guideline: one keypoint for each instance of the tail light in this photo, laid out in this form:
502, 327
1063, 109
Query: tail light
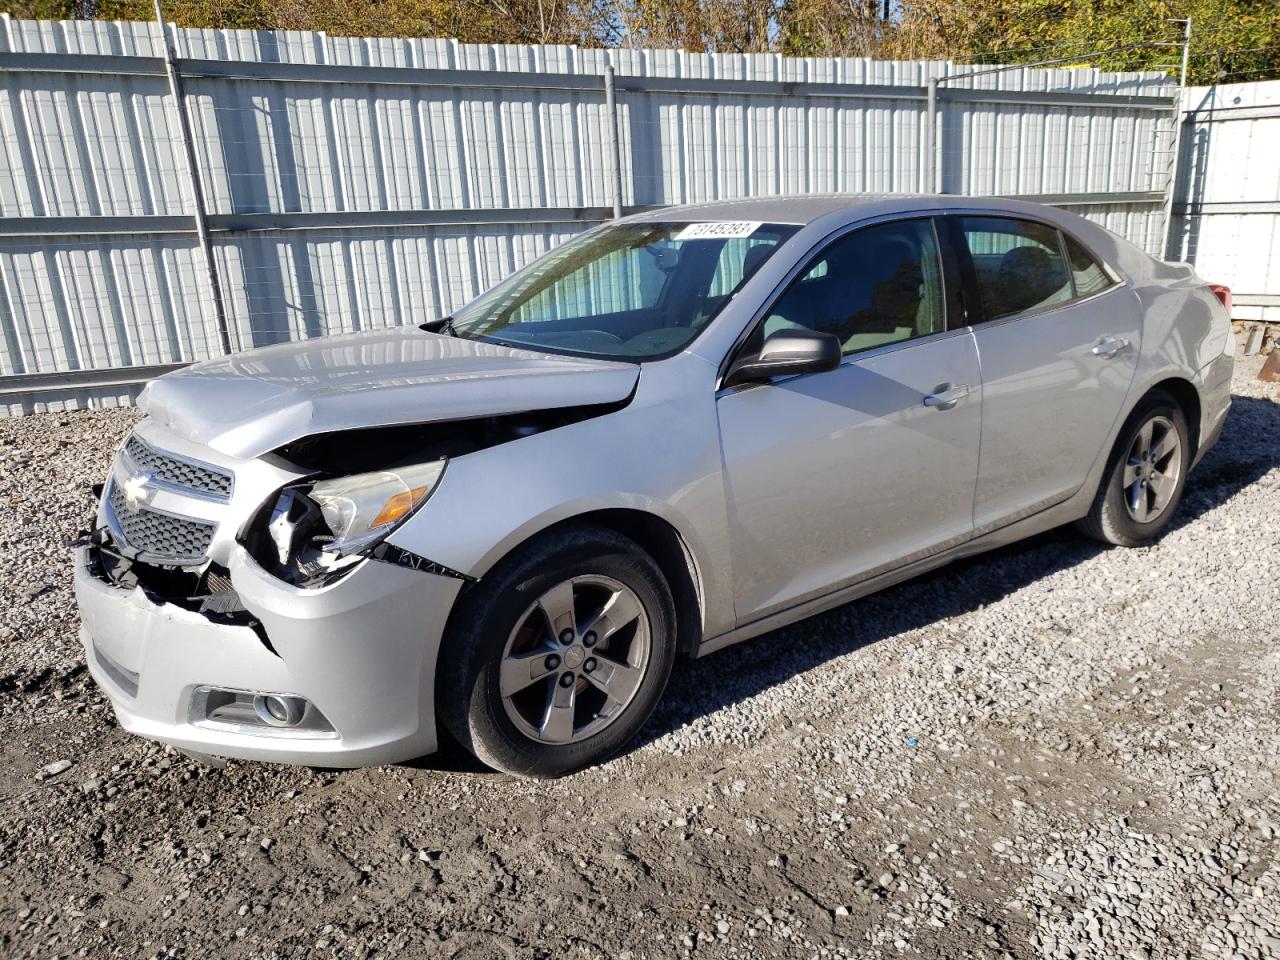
1223, 294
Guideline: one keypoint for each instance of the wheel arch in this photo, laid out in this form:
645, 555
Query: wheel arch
662, 541
1183, 392
1187, 397
657, 537
1096, 523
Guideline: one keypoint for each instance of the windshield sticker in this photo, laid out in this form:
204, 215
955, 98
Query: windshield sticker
720, 230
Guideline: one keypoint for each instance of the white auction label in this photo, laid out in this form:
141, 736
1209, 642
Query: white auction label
720, 230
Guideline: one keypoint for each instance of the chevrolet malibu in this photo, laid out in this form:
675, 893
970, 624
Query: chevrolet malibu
677, 431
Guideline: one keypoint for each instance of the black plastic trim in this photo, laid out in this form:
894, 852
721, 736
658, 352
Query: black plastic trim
398, 556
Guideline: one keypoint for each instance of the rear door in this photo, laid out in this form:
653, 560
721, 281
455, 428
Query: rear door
836, 477
1057, 337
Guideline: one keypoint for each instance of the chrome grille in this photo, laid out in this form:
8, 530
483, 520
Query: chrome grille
159, 537
178, 472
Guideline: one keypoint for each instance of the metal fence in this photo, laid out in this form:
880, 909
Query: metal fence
1229, 193
345, 184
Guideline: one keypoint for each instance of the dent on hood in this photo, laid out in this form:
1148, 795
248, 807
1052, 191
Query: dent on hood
250, 404
372, 448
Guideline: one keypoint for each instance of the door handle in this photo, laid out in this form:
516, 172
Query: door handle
1108, 347
945, 396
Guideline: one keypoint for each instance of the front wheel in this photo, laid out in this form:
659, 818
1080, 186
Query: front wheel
558, 656
1145, 475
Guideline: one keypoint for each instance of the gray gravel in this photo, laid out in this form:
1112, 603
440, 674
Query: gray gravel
1055, 750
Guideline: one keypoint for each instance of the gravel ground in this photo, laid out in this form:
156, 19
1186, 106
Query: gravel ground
1054, 750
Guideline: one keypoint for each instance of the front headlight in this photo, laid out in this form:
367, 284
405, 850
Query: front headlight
314, 532
361, 510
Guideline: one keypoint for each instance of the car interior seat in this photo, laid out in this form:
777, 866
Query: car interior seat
753, 258
894, 300
1027, 278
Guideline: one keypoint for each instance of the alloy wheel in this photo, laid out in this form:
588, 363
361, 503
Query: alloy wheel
575, 659
1152, 469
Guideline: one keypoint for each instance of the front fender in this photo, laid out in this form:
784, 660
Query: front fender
659, 455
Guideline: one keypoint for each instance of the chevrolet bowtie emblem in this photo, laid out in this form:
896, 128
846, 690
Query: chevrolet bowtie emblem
137, 490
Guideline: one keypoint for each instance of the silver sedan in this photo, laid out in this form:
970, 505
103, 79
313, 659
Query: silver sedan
675, 432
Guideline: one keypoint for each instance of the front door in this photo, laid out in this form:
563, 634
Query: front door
835, 477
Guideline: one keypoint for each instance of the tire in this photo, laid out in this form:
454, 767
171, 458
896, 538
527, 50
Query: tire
501, 688
1133, 517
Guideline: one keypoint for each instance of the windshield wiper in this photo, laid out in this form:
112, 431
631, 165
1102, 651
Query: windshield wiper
442, 326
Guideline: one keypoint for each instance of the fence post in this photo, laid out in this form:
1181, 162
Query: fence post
1175, 162
193, 172
932, 167
615, 149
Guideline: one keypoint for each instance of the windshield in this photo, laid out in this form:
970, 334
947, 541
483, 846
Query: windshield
631, 291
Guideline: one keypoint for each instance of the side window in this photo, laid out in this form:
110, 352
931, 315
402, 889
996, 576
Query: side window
1086, 272
881, 284
1018, 263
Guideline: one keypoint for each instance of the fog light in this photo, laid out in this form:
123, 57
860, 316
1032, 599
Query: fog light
277, 711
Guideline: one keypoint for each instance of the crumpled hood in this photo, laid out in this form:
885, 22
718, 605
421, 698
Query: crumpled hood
250, 403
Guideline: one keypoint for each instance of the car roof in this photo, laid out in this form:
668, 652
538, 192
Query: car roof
806, 209
833, 211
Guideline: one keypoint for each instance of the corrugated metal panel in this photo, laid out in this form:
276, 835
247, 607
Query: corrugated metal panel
1230, 185
80, 304
284, 285
102, 145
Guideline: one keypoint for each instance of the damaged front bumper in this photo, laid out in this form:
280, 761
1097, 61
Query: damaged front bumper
360, 651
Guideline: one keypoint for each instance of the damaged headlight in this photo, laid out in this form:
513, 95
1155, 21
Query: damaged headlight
322, 528
361, 510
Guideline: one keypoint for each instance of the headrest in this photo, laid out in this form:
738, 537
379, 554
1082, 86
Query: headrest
755, 256
893, 253
1029, 271
1026, 261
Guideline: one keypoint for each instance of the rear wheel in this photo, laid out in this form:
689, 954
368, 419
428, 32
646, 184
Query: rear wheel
559, 655
1145, 475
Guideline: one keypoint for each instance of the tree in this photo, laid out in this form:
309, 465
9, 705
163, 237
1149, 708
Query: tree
835, 28
1232, 39
725, 26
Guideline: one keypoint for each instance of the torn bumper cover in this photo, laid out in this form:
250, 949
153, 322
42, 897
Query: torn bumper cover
360, 651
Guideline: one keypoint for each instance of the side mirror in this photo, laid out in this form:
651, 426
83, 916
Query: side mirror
786, 353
